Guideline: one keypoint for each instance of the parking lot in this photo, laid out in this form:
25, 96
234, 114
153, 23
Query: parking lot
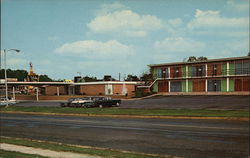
171, 102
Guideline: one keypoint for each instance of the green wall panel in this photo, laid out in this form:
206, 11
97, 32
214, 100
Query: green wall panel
231, 68
190, 86
231, 85
224, 69
154, 73
224, 85
184, 74
155, 87
183, 86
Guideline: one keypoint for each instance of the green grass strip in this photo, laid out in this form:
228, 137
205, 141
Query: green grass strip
12, 154
106, 153
142, 112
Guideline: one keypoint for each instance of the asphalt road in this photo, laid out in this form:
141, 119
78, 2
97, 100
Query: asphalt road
183, 138
174, 102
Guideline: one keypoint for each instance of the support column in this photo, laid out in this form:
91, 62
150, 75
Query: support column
227, 84
186, 85
37, 93
14, 95
206, 70
57, 91
168, 72
227, 69
206, 85
186, 78
187, 71
227, 77
169, 84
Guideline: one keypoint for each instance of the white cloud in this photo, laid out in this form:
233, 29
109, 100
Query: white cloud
213, 19
178, 45
125, 22
95, 49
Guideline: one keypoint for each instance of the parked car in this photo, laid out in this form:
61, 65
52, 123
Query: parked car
92, 101
106, 102
3, 101
77, 102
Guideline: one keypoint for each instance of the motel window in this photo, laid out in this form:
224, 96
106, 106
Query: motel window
198, 70
242, 67
159, 73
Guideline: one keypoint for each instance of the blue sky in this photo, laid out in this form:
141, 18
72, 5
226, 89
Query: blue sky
105, 37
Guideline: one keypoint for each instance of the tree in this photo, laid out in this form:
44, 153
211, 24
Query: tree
132, 78
146, 77
202, 58
89, 79
19, 74
191, 59
194, 59
45, 78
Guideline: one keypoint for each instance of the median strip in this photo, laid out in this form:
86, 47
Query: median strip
133, 113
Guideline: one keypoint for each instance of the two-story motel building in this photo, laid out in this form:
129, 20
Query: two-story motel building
215, 75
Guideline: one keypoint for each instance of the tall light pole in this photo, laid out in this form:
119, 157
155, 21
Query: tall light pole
5, 74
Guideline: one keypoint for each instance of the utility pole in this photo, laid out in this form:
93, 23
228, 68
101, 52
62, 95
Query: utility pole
119, 76
0, 59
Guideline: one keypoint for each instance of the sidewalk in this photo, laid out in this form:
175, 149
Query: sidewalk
43, 152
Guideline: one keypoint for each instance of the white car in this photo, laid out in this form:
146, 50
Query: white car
3, 101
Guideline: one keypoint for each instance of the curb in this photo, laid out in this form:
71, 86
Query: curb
133, 116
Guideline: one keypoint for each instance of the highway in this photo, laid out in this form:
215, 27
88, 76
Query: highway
175, 137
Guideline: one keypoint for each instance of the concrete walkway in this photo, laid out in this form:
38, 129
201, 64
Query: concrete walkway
43, 152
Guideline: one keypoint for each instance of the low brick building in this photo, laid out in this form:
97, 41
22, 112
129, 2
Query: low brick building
105, 88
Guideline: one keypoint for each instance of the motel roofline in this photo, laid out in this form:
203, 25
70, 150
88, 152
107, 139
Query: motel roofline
199, 62
71, 83
106, 82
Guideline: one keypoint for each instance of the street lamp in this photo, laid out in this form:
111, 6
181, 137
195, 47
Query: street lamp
5, 74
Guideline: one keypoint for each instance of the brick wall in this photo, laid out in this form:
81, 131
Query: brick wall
117, 89
52, 90
92, 89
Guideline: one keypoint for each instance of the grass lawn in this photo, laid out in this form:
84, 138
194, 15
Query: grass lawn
12, 154
142, 112
106, 153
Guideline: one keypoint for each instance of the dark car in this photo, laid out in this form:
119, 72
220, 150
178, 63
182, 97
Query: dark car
92, 101
106, 102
